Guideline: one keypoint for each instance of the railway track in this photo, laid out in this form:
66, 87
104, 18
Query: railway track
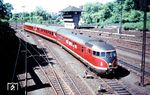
132, 50
126, 37
64, 87
112, 84
58, 85
118, 88
133, 67
115, 40
74, 81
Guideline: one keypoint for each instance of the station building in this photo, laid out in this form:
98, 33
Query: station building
71, 17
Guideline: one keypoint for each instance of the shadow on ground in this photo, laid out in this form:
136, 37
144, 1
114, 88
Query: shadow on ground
8, 51
120, 72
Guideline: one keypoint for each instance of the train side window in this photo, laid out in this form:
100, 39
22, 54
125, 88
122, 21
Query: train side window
94, 52
97, 53
102, 54
82, 49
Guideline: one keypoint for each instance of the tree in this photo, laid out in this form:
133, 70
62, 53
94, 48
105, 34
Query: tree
5, 10
92, 12
134, 16
2, 13
142, 5
119, 11
8, 7
128, 5
39, 11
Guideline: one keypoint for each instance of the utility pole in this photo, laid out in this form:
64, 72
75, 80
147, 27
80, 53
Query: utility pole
26, 71
120, 23
143, 44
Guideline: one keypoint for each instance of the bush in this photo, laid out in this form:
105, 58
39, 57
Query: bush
148, 25
136, 26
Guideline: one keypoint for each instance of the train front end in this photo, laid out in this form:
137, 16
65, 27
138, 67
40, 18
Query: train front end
105, 57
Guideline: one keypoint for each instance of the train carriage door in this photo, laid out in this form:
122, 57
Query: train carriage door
83, 51
88, 54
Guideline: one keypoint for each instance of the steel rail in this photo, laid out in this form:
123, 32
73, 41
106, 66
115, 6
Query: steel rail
58, 61
132, 67
61, 84
71, 77
45, 74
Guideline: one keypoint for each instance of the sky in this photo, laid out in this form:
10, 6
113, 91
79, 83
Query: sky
49, 5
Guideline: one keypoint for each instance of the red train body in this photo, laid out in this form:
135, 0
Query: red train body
97, 54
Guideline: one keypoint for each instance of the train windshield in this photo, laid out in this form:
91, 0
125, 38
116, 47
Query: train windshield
111, 54
108, 54
114, 53
102, 54
105, 54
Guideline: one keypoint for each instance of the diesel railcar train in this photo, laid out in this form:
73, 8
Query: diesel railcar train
97, 54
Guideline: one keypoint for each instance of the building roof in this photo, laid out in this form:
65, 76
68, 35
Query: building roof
71, 9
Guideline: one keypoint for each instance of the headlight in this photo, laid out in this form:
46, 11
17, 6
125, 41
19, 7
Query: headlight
110, 63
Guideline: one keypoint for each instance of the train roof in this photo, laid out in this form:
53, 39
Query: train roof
95, 44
